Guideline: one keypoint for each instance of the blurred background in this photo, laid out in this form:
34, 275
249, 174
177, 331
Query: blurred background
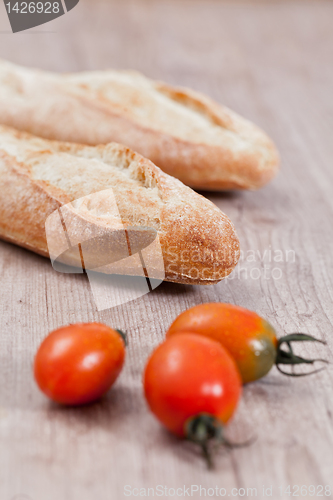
249, 55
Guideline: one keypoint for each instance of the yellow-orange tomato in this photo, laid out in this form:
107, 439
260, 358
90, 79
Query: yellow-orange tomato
250, 339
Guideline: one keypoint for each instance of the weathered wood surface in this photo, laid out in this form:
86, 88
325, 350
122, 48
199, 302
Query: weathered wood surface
272, 62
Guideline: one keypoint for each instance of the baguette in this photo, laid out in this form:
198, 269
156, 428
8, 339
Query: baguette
186, 134
38, 178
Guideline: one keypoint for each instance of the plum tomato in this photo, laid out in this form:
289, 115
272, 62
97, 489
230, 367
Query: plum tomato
250, 339
192, 385
77, 364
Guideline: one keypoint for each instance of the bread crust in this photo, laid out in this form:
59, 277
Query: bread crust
38, 177
188, 135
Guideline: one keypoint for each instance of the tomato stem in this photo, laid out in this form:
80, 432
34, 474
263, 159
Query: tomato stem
287, 357
123, 336
204, 428
201, 429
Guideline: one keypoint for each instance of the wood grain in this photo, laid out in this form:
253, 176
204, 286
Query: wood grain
272, 62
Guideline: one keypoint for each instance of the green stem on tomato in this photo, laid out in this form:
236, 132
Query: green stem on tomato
123, 336
201, 429
288, 357
205, 428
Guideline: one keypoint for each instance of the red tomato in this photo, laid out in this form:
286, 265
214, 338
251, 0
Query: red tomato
77, 364
189, 376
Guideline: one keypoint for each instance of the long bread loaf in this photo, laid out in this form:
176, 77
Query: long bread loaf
109, 197
185, 133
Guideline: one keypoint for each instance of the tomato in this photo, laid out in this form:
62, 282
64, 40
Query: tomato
193, 386
77, 364
250, 339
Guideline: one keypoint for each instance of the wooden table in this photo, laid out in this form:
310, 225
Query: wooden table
272, 62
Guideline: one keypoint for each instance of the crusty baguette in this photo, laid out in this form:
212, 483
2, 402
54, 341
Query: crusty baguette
37, 177
185, 133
